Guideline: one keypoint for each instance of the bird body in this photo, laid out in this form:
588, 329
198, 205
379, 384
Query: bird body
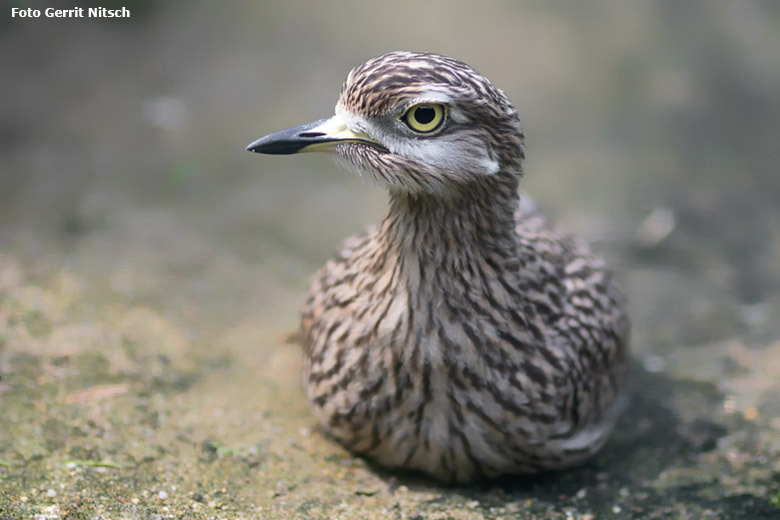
460, 337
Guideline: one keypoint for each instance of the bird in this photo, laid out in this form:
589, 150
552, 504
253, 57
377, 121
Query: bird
462, 337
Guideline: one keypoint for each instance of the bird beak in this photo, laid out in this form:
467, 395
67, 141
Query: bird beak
319, 136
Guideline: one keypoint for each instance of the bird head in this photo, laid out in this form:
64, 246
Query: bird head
416, 122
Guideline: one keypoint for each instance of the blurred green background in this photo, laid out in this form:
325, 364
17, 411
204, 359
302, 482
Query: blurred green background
653, 129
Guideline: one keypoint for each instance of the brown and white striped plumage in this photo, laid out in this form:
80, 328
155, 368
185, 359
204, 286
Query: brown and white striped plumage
460, 337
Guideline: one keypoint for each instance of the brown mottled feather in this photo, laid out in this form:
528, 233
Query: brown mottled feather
460, 337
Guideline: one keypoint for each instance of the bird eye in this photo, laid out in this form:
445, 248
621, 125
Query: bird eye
424, 118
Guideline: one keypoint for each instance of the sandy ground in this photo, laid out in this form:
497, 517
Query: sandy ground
151, 270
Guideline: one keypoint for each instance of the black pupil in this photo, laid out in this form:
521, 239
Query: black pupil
424, 114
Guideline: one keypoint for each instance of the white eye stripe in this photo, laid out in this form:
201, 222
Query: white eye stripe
430, 96
457, 116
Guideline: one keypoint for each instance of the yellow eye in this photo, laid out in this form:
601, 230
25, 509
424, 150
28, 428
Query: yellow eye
424, 118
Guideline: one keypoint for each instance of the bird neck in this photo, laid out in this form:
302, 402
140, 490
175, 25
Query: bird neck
454, 231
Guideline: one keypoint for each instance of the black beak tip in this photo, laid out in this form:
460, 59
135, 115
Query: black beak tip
270, 145
256, 146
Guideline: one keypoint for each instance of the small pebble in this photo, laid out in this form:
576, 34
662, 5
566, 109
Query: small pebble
658, 225
751, 414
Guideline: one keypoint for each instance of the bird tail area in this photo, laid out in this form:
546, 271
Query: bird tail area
586, 442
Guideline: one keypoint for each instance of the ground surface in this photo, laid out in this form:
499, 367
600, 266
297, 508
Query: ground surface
150, 269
